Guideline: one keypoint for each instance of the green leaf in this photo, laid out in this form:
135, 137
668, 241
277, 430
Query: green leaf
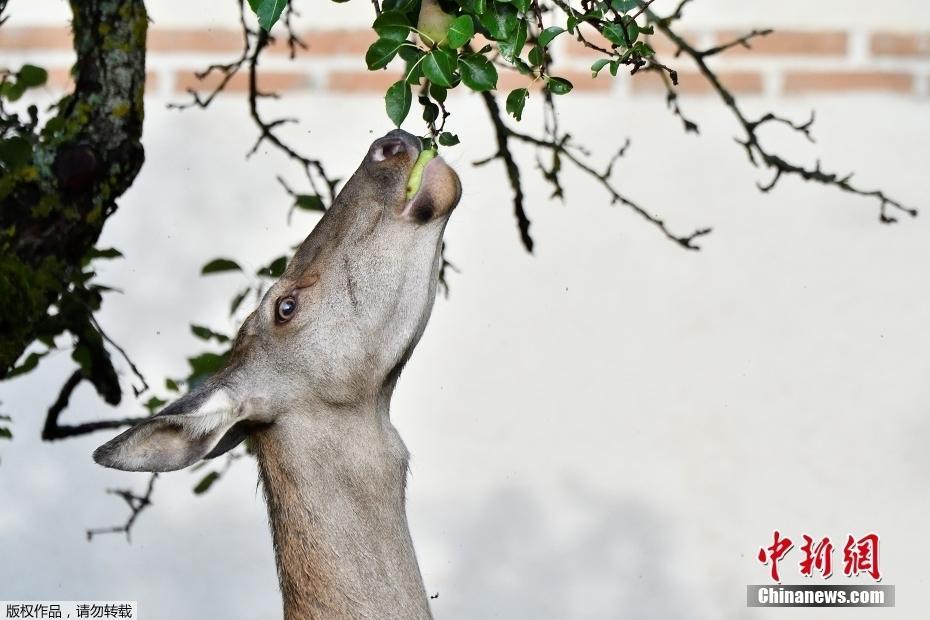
309, 202
382, 52
438, 93
623, 6
397, 102
500, 20
267, 11
614, 33
12, 91
632, 31
204, 365
402, 6
31, 76
237, 301
274, 269
172, 385
448, 139
558, 86
536, 56
430, 110
512, 46
461, 30
218, 265
5, 433
15, 152
205, 333
31, 361
392, 25
206, 482
516, 100
478, 73
439, 66
522, 5
547, 35
153, 404
105, 253
599, 64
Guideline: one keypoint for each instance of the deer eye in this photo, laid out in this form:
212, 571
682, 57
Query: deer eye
286, 308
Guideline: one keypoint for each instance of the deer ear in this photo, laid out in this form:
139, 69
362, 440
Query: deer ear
198, 425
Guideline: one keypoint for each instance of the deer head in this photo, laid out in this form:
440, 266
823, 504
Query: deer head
333, 332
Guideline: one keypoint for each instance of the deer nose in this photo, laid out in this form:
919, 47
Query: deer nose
394, 143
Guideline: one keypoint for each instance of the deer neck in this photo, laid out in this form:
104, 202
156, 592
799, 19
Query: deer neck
334, 484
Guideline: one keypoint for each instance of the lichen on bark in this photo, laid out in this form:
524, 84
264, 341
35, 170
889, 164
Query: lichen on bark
54, 205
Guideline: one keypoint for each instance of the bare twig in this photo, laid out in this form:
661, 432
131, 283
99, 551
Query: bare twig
137, 503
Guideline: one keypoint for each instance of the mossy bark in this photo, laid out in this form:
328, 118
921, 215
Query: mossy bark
53, 208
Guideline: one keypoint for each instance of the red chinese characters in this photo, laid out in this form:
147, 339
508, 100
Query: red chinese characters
861, 556
780, 546
817, 557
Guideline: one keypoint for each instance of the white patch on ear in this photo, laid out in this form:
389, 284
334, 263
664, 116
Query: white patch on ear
217, 412
174, 439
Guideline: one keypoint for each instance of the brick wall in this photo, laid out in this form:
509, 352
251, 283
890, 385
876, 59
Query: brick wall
788, 62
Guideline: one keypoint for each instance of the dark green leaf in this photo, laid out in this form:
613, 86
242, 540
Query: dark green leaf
599, 64
206, 482
438, 93
512, 46
614, 34
274, 269
478, 73
218, 265
448, 139
267, 11
153, 404
397, 102
382, 52
623, 6
516, 100
309, 202
402, 6
536, 56
550, 33
205, 333
105, 253
500, 21
461, 30
430, 110
172, 385
237, 301
632, 31
31, 361
392, 25
475, 7
12, 90
5, 433
558, 86
438, 67
522, 5
15, 152
204, 365
31, 76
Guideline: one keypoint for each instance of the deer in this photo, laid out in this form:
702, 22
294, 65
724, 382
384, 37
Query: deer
309, 381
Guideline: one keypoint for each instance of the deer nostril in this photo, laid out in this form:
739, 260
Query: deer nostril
388, 149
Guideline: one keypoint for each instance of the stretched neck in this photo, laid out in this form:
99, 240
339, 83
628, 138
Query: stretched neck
334, 483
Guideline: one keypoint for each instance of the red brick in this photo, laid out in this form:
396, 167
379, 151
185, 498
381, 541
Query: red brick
846, 81
361, 81
183, 40
788, 42
268, 81
36, 38
901, 44
692, 82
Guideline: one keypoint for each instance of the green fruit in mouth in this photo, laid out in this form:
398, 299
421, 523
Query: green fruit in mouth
416, 173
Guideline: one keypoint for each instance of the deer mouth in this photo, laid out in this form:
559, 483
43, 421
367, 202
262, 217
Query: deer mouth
438, 193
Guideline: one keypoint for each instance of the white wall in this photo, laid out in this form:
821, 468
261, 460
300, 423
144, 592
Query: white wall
610, 428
